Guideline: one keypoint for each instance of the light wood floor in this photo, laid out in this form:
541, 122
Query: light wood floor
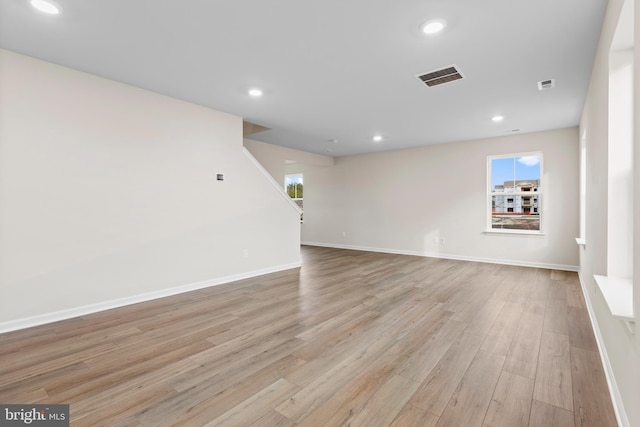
351, 338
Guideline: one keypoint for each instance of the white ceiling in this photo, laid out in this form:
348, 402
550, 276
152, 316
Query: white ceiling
334, 69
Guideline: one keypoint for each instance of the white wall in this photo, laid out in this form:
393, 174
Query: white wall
399, 201
620, 167
620, 346
109, 192
403, 200
279, 161
635, 358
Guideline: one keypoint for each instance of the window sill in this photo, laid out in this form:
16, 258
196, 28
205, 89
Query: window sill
515, 233
618, 294
581, 242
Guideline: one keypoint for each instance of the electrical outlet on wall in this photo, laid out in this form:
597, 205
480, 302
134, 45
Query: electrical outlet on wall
344, 234
245, 253
442, 241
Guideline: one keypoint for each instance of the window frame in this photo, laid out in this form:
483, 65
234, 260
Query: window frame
299, 201
301, 175
539, 193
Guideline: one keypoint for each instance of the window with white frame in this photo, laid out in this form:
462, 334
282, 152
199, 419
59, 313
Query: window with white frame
293, 185
621, 281
515, 193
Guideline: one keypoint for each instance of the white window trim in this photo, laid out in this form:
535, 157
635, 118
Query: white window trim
295, 199
285, 184
540, 194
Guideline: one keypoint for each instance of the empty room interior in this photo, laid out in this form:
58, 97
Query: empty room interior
284, 213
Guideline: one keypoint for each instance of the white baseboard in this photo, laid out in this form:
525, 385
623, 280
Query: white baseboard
616, 399
56, 316
447, 256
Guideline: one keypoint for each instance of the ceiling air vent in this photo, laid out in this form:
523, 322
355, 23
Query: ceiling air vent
438, 77
546, 84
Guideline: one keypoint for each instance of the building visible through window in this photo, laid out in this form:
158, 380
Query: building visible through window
515, 192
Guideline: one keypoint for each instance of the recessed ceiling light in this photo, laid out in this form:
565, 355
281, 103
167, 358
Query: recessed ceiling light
45, 6
255, 92
377, 138
334, 140
497, 118
433, 26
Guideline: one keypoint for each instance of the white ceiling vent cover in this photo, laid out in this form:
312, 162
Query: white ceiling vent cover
546, 84
438, 77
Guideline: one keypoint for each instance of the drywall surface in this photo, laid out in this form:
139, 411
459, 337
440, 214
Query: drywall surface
108, 192
279, 161
407, 201
621, 347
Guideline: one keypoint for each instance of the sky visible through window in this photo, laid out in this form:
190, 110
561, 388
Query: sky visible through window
526, 167
292, 179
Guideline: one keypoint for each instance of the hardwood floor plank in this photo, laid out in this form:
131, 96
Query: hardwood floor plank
553, 378
406, 321
591, 399
468, 405
537, 301
316, 347
559, 275
349, 401
69, 338
436, 390
556, 316
115, 407
206, 311
382, 408
322, 362
272, 419
324, 386
523, 284
223, 371
501, 334
256, 406
412, 416
504, 289
545, 415
208, 400
425, 358
482, 322
580, 332
25, 395
30, 369
126, 422
574, 293
95, 379
351, 338
14, 391
105, 395
23, 339
468, 300
557, 291
522, 358
330, 326
511, 402
246, 328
